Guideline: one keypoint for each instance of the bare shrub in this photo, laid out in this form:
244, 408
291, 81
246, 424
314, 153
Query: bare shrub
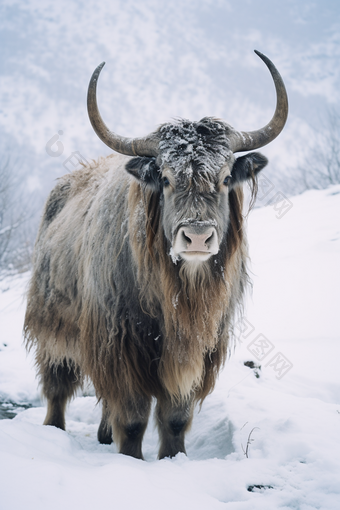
15, 212
321, 167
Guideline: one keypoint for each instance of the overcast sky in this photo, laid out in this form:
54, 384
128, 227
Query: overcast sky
189, 58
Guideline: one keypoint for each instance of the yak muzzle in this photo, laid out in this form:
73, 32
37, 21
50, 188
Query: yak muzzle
195, 242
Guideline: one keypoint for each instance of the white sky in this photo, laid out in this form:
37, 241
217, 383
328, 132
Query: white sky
188, 58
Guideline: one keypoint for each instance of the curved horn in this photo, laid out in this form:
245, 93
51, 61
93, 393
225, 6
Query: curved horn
147, 146
247, 141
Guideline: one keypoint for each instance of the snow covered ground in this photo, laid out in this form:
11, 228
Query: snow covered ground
291, 329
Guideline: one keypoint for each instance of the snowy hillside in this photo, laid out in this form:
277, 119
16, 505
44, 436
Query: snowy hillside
289, 409
186, 58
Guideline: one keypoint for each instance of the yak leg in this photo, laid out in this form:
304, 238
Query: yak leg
129, 424
59, 383
105, 430
173, 421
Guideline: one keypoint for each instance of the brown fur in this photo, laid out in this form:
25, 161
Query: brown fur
197, 308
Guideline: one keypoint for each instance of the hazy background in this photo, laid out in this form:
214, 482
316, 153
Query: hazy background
190, 58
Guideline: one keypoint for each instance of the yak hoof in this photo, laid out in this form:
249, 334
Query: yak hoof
104, 433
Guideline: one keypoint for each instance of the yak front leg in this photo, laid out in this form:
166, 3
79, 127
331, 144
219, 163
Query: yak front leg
173, 421
60, 382
129, 424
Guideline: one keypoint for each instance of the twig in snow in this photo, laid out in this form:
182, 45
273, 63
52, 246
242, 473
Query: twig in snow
249, 441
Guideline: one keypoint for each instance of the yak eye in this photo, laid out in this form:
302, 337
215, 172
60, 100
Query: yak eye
166, 182
226, 180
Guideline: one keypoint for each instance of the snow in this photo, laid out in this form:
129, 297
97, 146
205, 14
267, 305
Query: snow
174, 259
293, 453
203, 144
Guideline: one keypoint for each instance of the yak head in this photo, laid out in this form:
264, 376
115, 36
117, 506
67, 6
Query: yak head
193, 168
194, 173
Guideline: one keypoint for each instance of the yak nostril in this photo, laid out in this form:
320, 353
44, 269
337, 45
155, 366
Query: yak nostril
186, 238
209, 239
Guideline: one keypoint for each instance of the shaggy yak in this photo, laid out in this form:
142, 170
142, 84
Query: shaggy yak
139, 266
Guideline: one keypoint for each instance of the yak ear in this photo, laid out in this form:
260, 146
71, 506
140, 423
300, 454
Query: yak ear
247, 167
145, 170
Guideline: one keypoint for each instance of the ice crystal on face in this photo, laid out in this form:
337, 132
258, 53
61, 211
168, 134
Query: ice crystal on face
173, 256
200, 147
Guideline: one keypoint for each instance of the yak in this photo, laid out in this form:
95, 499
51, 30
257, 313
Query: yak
139, 267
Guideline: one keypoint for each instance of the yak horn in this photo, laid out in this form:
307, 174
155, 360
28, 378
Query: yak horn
147, 146
250, 140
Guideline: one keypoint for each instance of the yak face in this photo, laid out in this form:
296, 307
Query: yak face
194, 174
